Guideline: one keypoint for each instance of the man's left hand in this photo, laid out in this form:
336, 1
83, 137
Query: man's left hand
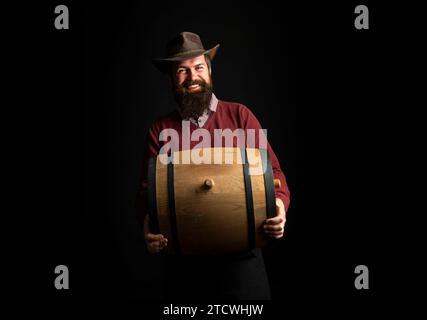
274, 227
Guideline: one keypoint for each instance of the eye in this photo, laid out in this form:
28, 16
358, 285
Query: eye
181, 71
199, 68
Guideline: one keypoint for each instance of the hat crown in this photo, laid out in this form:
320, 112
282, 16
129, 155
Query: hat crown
186, 45
184, 42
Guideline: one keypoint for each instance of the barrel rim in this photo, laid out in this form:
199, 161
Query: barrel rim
249, 200
270, 196
152, 199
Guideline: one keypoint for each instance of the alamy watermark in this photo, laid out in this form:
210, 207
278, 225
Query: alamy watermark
62, 280
62, 20
362, 280
362, 20
222, 139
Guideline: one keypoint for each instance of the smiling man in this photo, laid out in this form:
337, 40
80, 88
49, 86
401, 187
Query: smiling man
240, 276
192, 87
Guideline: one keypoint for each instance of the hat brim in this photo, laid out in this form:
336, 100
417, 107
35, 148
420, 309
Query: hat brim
164, 64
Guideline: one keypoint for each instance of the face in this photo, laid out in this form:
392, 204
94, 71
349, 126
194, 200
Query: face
189, 75
192, 85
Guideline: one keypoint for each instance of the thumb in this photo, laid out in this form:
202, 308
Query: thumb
154, 237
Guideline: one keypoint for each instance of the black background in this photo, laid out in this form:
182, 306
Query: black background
322, 89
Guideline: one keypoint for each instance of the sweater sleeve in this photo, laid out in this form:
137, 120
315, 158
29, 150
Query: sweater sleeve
251, 122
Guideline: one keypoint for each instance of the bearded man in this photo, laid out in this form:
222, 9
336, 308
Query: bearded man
233, 276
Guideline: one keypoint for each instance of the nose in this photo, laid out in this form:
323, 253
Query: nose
191, 75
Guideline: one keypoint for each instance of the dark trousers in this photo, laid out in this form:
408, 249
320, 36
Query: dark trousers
223, 277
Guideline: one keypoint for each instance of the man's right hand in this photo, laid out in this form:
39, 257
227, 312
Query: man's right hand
155, 242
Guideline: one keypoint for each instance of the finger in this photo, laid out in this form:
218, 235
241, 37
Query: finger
154, 237
275, 220
276, 236
158, 247
274, 233
163, 243
273, 227
280, 229
279, 204
153, 247
280, 208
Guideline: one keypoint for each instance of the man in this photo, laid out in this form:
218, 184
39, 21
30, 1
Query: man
241, 276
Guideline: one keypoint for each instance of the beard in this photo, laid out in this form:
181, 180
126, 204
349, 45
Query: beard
193, 104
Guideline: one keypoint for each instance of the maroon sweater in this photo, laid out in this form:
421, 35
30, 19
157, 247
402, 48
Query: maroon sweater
228, 115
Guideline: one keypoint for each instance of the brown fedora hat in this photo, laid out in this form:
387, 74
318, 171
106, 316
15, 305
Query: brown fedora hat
185, 45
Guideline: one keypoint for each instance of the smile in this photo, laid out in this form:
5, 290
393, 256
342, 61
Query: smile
194, 86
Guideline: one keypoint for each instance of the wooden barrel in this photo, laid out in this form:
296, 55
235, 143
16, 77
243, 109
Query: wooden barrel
211, 200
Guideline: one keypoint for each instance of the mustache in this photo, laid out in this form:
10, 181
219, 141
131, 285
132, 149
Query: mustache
182, 90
